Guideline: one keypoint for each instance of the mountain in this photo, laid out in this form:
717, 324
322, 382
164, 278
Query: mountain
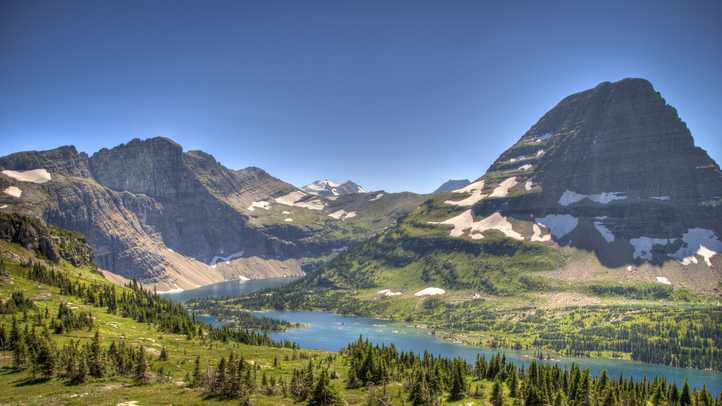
329, 188
173, 219
607, 187
451, 184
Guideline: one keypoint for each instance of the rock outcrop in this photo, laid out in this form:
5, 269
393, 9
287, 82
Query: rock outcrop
451, 184
51, 242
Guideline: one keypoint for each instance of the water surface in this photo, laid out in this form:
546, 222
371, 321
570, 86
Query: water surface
331, 332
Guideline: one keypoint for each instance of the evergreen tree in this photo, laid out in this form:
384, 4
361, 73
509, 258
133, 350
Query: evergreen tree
20, 353
197, 377
45, 358
141, 373
685, 398
419, 393
96, 365
497, 394
324, 394
533, 398
457, 391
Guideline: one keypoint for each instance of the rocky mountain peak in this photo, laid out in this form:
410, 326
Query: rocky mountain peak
65, 160
612, 169
153, 167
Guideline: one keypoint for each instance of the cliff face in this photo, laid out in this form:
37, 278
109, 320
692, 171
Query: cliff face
170, 218
51, 242
612, 169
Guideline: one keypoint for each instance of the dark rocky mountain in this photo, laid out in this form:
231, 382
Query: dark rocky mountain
608, 185
451, 185
179, 219
613, 170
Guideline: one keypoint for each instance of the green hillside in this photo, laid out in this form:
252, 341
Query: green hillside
501, 292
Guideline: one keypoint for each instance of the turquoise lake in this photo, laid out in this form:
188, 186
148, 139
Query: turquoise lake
331, 332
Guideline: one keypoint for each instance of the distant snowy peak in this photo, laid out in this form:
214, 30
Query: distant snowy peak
328, 187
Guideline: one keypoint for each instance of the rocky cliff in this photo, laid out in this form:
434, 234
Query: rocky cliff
176, 219
606, 186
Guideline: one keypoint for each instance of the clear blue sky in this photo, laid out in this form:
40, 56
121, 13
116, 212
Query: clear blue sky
394, 95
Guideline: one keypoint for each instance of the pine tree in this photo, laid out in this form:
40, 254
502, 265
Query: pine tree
457, 390
497, 394
20, 353
419, 391
45, 358
533, 398
324, 394
141, 373
658, 398
197, 377
513, 383
96, 366
685, 398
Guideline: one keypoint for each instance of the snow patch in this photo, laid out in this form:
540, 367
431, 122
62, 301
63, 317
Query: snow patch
540, 153
216, 259
699, 241
32, 176
165, 292
475, 197
525, 167
261, 205
538, 234
543, 137
377, 197
559, 224
663, 280
13, 191
569, 197
465, 221
604, 231
528, 185
643, 246
294, 199
661, 198
286, 212
503, 189
689, 260
4, 206
338, 214
342, 214
288, 219
431, 291
290, 198
388, 292
478, 185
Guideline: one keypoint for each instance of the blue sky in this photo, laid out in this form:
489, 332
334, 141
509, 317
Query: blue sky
394, 95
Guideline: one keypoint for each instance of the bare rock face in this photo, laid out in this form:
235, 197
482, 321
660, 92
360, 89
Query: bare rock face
451, 185
614, 170
166, 217
48, 241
